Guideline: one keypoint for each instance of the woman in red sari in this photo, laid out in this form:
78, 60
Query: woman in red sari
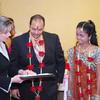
84, 61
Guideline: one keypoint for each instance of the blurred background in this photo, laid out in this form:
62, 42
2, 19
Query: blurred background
62, 16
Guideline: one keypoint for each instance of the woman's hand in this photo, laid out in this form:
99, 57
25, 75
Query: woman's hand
16, 79
15, 93
29, 72
26, 72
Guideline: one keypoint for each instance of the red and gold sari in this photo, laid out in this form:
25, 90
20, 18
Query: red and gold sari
83, 74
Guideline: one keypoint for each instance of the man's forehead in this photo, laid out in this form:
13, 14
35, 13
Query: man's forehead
39, 21
37, 24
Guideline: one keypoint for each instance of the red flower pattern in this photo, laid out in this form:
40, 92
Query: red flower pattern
29, 44
42, 65
78, 73
79, 84
33, 88
89, 91
89, 81
90, 59
81, 94
37, 97
36, 89
40, 88
30, 67
29, 55
67, 66
41, 53
78, 62
41, 42
89, 70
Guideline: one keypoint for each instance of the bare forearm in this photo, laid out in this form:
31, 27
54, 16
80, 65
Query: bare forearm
98, 85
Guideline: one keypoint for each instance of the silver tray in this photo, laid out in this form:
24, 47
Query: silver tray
43, 75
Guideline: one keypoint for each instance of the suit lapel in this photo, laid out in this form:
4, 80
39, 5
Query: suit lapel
46, 44
7, 52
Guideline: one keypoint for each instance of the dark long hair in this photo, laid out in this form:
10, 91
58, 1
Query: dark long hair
89, 28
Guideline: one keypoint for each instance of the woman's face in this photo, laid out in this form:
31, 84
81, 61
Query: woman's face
81, 36
4, 35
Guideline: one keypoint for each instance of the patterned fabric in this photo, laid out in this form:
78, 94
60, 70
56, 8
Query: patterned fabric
95, 54
83, 74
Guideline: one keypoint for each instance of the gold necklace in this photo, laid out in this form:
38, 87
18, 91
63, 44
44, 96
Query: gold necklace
83, 50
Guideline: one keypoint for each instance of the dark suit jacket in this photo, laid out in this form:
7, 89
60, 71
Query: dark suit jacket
4, 77
54, 61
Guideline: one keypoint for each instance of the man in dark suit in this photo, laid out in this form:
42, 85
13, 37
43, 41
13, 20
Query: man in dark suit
40, 52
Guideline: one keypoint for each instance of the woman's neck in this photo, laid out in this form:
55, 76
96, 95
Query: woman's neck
84, 46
